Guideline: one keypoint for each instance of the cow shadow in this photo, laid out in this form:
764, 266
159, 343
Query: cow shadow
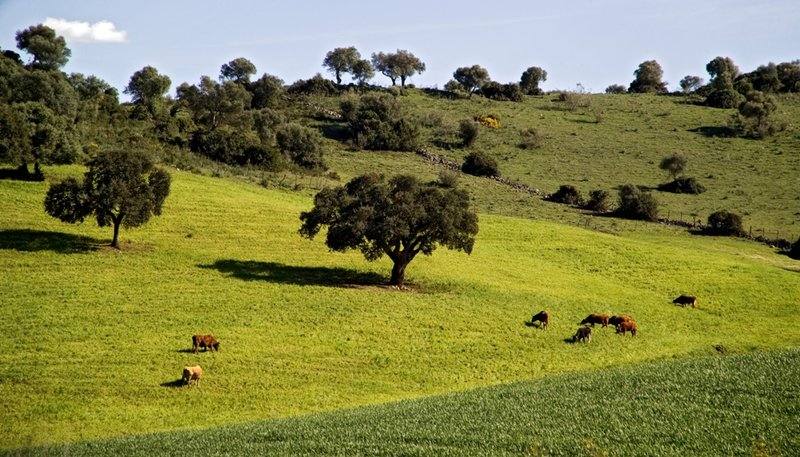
26, 240
173, 384
185, 351
251, 270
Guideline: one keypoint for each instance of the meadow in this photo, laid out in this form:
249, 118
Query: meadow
95, 338
615, 140
716, 405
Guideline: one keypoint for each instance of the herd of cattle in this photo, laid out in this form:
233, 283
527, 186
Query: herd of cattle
623, 323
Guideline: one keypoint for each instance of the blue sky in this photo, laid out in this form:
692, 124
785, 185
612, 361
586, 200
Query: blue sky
592, 42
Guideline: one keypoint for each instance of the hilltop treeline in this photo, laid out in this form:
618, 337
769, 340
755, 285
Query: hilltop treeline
239, 118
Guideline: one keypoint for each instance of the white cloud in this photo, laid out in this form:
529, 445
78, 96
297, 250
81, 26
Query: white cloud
84, 32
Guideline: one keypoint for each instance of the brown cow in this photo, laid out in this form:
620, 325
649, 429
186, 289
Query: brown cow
596, 319
192, 374
686, 300
627, 326
584, 334
204, 341
542, 317
616, 320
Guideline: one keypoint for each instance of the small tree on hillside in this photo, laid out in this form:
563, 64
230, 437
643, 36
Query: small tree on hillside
690, 83
341, 60
674, 165
147, 88
616, 89
301, 145
239, 70
529, 82
722, 66
401, 64
363, 72
400, 218
471, 78
49, 51
648, 78
635, 204
120, 188
754, 119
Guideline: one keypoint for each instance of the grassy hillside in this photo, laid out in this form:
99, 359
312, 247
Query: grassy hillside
758, 179
95, 338
735, 405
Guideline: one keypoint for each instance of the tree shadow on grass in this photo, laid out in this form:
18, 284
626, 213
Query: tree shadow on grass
715, 131
26, 240
251, 270
19, 174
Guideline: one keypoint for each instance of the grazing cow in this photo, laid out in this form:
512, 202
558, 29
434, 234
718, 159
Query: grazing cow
192, 374
542, 317
616, 320
204, 341
686, 300
584, 334
627, 326
592, 319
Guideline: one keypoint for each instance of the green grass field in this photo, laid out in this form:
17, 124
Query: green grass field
732, 405
94, 338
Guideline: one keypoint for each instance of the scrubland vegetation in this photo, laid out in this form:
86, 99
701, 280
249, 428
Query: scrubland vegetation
566, 201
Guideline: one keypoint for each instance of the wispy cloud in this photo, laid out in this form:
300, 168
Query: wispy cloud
84, 32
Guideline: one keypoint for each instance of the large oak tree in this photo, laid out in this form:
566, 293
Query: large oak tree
399, 217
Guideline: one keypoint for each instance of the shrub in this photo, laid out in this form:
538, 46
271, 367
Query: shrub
568, 195
448, 179
234, 146
530, 138
674, 164
684, 185
571, 101
724, 98
502, 92
598, 201
317, 85
379, 122
616, 89
754, 119
468, 131
635, 204
479, 164
491, 121
724, 223
301, 145
794, 251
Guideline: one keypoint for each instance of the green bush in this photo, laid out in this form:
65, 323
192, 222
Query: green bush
635, 204
317, 85
235, 147
530, 138
724, 223
379, 122
567, 194
468, 131
301, 145
448, 179
479, 164
616, 89
598, 201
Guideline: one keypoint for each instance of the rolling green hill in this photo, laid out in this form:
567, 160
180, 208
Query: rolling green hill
734, 405
94, 338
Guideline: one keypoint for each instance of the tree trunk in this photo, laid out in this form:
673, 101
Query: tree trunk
394, 81
403, 81
115, 241
338, 78
399, 273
